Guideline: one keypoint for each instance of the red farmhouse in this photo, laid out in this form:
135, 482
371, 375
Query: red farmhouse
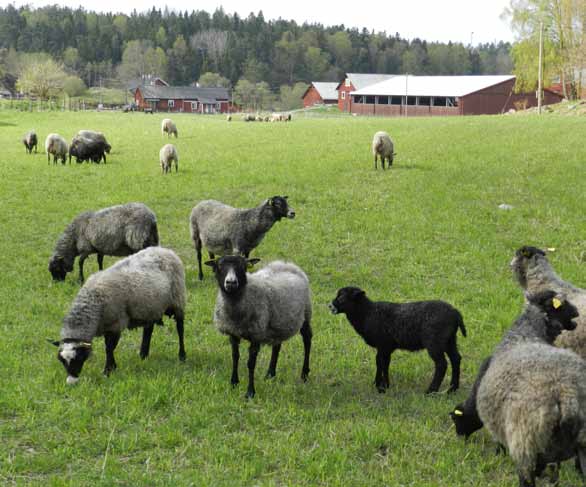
189, 99
320, 94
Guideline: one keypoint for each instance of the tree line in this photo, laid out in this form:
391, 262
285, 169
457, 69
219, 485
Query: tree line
276, 56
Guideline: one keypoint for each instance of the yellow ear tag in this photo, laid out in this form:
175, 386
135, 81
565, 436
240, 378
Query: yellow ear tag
556, 303
526, 253
551, 249
457, 412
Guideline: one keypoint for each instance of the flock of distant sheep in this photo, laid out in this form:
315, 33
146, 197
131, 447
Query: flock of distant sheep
530, 393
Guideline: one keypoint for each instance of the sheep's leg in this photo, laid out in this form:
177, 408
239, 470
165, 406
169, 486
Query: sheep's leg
455, 359
101, 261
375, 162
382, 162
441, 365
272, 372
306, 334
385, 372
145, 346
111, 340
82, 258
252, 354
212, 255
526, 482
379, 378
235, 342
179, 326
198, 256
581, 461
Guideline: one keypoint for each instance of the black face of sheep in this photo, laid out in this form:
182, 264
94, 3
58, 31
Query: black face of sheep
346, 300
465, 422
521, 260
58, 269
73, 354
560, 313
281, 207
230, 272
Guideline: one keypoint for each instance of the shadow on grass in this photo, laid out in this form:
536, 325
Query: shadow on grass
7, 124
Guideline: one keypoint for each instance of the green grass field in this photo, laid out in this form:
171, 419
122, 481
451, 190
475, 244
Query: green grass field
428, 228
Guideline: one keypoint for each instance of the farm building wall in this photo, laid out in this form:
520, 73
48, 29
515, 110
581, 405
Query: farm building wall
312, 97
399, 110
344, 98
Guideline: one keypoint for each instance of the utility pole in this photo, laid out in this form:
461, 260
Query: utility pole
540, 71
406, 90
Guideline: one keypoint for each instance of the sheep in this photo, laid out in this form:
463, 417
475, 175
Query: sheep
382, 146
229, 118
224, 230
532, 398
266, 307
118, 231
168, 155
30, 141
168, 127
430, 325
93, 135
247, 117
135, 292
56, 145
87, 150
534, 273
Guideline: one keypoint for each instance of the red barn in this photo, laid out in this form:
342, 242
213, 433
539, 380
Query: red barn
189, 99
443, 95
320, 93
353, 82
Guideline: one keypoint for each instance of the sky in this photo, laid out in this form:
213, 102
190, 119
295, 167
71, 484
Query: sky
466, 21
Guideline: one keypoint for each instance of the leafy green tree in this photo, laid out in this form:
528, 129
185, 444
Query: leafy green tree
290, 96
340, 46
44, 79
288, 53
317, 63
213, 80
244, 93
74, 86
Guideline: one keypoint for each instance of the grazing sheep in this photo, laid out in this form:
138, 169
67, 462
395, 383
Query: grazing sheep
168, 155
532, 398
266, 307
259, 118
382, 146
135, 292
224, 230
93, 135
87, 150
534, 273
118, 231
430, 325
247, 117
57, 146
229, 118
30, 141
168, 127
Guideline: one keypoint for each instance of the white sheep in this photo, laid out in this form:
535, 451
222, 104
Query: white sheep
266, 307
382, 146
135, 292
169, 128
168, 155
57, 146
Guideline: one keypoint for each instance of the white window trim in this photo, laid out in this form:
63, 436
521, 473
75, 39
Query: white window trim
343, 95
347, 82
171, 103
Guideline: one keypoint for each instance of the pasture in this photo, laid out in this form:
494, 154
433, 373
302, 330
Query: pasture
428, 228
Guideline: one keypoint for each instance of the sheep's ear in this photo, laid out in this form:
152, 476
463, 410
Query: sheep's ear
285, 197
457, 412
54, 342
212, 263
358, 293
526, 253
251, 262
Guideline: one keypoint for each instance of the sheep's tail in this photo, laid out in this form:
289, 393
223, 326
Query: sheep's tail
461, 325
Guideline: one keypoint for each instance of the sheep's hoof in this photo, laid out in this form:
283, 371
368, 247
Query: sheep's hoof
250, 394
234, 382
109, 369
305, 375
452, 389
182, 356
270, 375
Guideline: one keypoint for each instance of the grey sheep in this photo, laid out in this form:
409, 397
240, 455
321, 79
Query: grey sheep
97, 136
30, 141
135, 292
532, 398
229, 118
168, 155
57, 146
266, 307
534, 274
382, 146
118, 231
169, 128
224, 230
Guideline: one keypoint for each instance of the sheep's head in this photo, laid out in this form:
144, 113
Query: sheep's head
280, 207
524, 257
347, 299
59, 267
560, 312
465, 421
230, 272
73, 354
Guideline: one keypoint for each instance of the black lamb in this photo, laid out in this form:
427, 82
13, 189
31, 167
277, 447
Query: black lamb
87, 150
430, 325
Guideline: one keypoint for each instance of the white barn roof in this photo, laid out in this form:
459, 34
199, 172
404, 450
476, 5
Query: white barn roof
326, 90
362, 80
456, 86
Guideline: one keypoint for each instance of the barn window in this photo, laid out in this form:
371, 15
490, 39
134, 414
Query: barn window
343, 95
411, 100
193, 106
171, 103
440, 101
424, 101
396, 100
451, 101
358, 99
370, 100
383, 100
